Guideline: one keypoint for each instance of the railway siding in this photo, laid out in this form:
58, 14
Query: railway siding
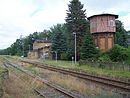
56, 87
103, 80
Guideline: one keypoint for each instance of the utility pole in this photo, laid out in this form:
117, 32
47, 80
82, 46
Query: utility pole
21, 38
29, 47
75, 45
55, 54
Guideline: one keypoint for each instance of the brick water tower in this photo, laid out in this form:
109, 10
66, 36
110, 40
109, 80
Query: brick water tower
103, 29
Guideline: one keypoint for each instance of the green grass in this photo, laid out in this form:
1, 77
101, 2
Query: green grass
106, 71
89, 69
59, 63
86, 68
2, 70
68, 82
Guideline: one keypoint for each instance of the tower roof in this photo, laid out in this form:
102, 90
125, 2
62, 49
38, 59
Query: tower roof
105, 14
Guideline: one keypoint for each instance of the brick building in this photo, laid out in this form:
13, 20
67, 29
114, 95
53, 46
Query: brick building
41, 49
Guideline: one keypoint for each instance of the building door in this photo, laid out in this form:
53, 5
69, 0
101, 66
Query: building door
110, 43
102, 44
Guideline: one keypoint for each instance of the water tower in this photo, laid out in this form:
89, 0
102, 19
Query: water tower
103, 28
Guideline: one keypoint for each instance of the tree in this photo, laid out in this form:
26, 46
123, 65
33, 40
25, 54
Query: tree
58, 39
16, 48
75, 22
25, 43
121, 34
128, 33
5, 51
28, 41
45, 34
88, 49
118, 54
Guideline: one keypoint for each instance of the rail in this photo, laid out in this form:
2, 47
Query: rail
103, 80
56, 87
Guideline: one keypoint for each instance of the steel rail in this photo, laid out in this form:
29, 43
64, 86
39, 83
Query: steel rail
39, 93
103, 80
56, 87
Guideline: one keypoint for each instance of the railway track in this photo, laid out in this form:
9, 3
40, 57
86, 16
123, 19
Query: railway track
98, 79
56, 91
49, 93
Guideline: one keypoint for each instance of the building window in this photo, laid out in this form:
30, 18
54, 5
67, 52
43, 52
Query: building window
112, 23
93, 24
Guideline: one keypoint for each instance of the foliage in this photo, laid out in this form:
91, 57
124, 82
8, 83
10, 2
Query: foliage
21, 46
88, 49
62, 38
64, 56
75, 22
58, 39
128, 33
104, 57
121, 34
118, 66
118, 53
89, 69
5, 51
16, 48
128, 53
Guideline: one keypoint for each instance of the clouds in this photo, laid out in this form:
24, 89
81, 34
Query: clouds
107, 5
119, 7
27, 16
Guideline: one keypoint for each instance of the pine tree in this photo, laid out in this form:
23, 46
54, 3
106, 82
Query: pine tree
121, 34
75, 22
88, 49
58, 39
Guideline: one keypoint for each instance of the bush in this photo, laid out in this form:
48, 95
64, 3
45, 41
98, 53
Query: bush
104, 57
118, 53
128, 52
63, 56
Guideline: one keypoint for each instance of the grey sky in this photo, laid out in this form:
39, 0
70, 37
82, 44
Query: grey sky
27, 16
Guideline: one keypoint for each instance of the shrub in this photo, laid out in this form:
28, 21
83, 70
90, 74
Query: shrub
63, 56
104, 57
118, 53
128, 52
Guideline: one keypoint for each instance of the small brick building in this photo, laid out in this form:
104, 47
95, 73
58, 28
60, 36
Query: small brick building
41, 49
103, 28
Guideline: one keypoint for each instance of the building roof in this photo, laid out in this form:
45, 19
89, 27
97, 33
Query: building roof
42, 41
105, 14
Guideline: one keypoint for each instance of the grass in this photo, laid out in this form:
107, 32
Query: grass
67, 64
69, 82
73, 83
19, 85
89, 69
1, 82
86, 68
2, 71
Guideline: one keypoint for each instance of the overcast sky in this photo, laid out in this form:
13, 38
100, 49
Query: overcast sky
27, 16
